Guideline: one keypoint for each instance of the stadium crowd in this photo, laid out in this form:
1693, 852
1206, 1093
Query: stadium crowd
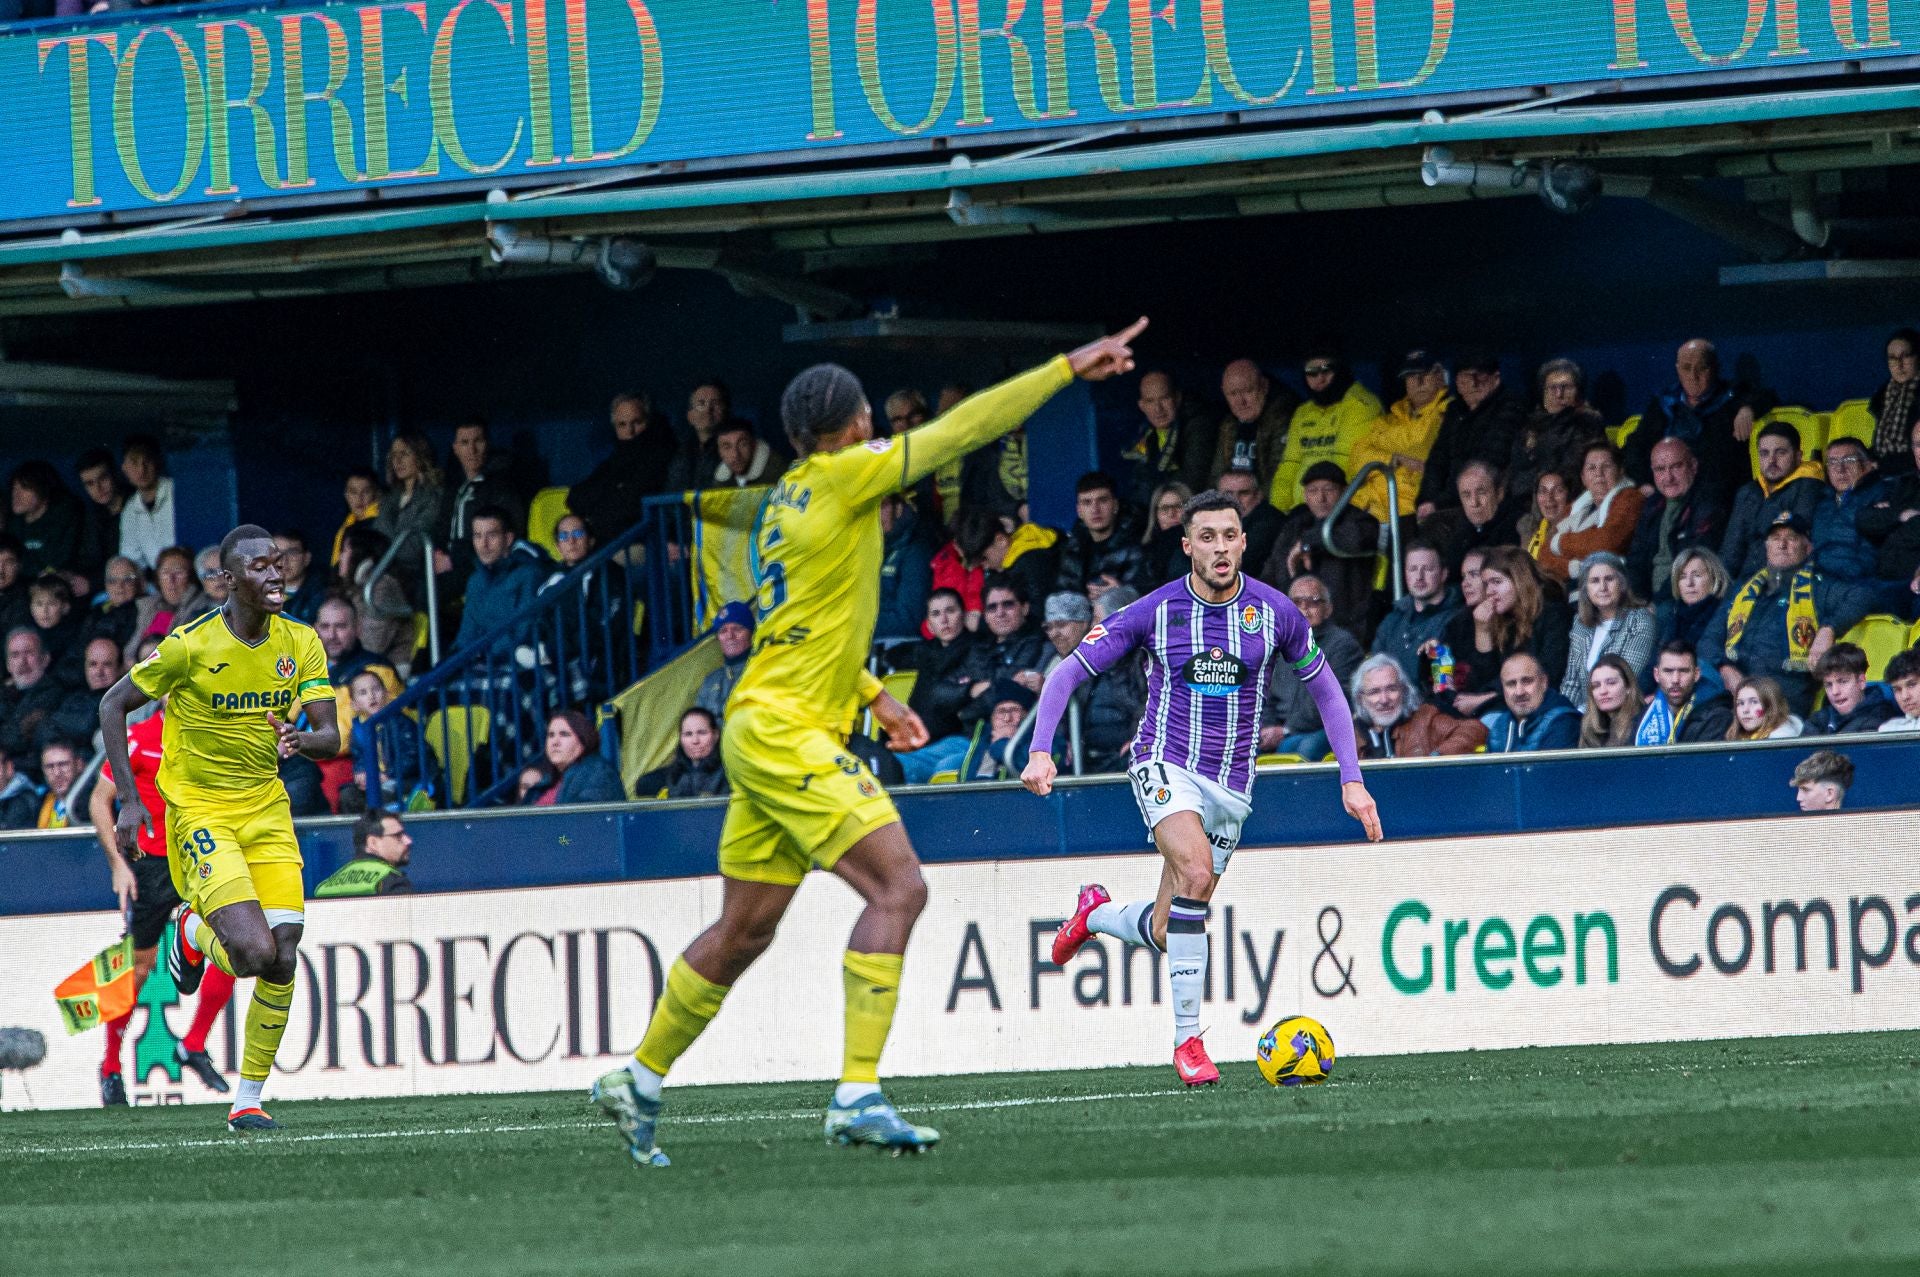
1688, 575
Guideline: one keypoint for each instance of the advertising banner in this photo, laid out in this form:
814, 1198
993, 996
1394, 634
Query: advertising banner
187, 109
1659, 933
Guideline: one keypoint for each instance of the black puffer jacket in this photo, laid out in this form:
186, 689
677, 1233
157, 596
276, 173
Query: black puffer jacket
940, 691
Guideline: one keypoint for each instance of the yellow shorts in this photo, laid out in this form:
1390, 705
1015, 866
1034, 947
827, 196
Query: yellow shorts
799, 798
221, 855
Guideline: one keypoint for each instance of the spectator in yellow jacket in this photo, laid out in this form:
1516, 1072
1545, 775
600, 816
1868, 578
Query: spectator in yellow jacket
1403, 435
1336, 412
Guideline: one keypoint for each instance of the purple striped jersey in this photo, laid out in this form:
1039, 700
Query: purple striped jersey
1208, 668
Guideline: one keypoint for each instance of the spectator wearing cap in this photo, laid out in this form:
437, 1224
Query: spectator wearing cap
1260, 523
733, 629
1395, 724
1066, 620
1326, 425
1903, 676
1290, 721
987, 755
1103, 550
1481, 425
745, 459
1253, 435
1402, 437
1855, 483
1421, 614
1787, 484
1782, 619
1853, 704
1686, 708
1680, 515
1822, 780
906, 569
1478, 517
1609, 620
1601, 519
1174, 445
1535, 715
1301, 548
1891, 523
1714, 418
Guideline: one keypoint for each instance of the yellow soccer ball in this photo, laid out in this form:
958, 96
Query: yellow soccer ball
1295, 1052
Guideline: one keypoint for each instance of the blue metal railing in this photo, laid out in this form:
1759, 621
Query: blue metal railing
466, 729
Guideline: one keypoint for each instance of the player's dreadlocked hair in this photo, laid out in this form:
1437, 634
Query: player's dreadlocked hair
245, 532
819, 401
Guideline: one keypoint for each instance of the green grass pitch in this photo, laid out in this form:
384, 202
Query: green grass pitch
1789, 1155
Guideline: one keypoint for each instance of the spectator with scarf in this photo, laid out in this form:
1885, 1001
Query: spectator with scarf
1552, 504
1783, 619
1174, 446
1601, 519
1896, 405
1684, 711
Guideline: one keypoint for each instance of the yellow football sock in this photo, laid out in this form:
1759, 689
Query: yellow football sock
872, 982
266, 1024
687, 1006
209, 945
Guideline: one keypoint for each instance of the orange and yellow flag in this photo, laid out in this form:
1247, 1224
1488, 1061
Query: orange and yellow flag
99, 991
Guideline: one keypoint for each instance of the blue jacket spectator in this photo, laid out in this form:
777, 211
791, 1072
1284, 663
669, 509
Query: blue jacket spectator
1420, 615
1838, 548
1536, 715
734, 630
575, 771
506, 577
1770, 621
906, 571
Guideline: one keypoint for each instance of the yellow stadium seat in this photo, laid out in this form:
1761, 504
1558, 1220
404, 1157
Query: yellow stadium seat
1882, 638
1913, 635
453, 734
900, 684
548, 508
1278, 760
1624, 431
951, 776
1811, 425
1852, 420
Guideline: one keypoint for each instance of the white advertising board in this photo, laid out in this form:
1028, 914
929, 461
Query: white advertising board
1784, 926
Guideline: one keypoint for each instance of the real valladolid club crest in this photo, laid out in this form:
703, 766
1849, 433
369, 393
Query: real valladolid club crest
1250, 619
284, 667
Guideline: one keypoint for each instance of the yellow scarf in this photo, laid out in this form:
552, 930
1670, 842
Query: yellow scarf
1802, 623
1538, 541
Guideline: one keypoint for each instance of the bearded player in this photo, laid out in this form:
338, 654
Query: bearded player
1212, 639
235, 861
800, 799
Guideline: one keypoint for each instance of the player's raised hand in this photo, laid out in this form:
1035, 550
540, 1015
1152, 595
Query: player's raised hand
1108, 357
1038, 777
1360, 806
127, 826
288, 735
903, 727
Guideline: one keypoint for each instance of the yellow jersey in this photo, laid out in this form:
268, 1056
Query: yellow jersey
218, 746
817, 552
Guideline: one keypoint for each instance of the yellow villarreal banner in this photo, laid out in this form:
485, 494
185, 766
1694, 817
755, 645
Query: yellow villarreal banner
101, 990
723, 520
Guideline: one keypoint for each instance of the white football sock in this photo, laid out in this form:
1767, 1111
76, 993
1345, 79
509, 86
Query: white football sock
847, 1092
1132, 923
248, 1096
645, 1080
1187, 963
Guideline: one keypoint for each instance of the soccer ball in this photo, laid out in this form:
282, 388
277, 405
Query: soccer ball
1295, 1052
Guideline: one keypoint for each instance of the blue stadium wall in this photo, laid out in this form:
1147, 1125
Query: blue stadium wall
1616, 289
1419, 799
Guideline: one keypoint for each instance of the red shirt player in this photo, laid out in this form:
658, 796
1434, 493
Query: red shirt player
147, 899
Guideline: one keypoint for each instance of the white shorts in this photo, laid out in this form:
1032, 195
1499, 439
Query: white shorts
1162, 789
